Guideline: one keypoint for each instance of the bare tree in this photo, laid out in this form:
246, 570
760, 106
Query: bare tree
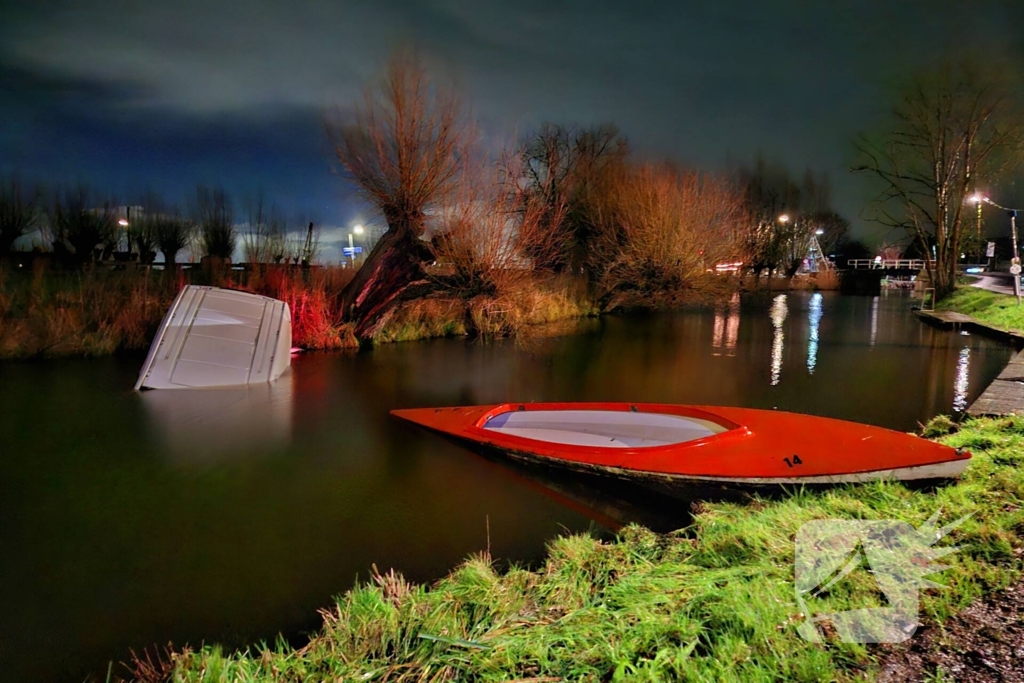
954, 129
217, 235
263, 239
79, 227
311, 245
171, 233
402, 148
19, 212
831, 229
482, 228
784, 217
566, 171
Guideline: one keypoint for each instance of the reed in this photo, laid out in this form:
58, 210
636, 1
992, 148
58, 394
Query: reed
711, 602
84, 313
96, 311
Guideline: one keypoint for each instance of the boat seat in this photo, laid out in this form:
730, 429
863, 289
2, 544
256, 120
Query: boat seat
606, 429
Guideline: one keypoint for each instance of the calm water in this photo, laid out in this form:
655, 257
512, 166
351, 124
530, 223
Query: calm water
232, 516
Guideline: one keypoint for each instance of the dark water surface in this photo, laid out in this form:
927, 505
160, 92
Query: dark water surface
232, 516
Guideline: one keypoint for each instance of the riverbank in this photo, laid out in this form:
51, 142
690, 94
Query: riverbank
98, 311
993, 309
712, 602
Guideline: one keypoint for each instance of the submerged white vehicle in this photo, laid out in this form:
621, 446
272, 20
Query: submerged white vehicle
214, 337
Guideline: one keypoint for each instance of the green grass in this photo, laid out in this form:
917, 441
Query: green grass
994, 309
713, 602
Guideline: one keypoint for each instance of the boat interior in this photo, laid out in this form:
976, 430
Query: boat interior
602, 428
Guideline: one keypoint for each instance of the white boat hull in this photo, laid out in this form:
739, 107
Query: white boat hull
215, 337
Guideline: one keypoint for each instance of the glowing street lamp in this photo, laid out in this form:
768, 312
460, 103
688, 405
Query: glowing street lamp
819, 231
784, 218
123, 222
351, 243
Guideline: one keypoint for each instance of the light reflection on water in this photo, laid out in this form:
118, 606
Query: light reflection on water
778, 314
814, 313
874, 320
963, 380
726, 327
210, 425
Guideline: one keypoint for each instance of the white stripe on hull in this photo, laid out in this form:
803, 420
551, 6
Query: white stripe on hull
942, 470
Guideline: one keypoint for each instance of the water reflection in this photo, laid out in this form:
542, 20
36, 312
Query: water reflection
814, 314
726, 327
200, 423
963, 380
311, 484
874, 320
779, 312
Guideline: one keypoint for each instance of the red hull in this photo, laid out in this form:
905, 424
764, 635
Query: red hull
756, 446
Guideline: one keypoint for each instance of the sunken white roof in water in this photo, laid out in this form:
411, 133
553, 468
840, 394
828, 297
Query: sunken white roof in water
215, 337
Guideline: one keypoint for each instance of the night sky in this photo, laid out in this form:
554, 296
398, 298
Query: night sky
136, 96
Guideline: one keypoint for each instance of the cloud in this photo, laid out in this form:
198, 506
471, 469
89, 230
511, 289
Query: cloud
238, 87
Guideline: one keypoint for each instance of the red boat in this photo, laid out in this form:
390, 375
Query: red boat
665, 445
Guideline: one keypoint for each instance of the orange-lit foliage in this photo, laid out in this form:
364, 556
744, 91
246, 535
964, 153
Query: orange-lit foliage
313, 297
50, 312
659, 230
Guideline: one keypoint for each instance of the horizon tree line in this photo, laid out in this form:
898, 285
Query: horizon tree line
80, 227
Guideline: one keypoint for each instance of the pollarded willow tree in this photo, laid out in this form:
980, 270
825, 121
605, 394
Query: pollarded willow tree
954, 130
403, 147
19, 212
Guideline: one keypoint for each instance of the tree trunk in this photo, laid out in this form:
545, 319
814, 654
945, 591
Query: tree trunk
392, 270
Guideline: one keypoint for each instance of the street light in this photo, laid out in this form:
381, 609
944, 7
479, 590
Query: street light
351, 243
784, 218
1015, 267
978, 198
123, 222
819, 231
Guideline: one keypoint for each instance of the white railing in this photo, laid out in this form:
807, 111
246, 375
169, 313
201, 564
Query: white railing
881, 264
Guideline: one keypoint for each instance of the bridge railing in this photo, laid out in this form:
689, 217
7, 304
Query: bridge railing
884, 264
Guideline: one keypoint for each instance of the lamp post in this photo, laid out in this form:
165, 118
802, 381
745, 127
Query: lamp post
1015, 266
358, 230
977, 199
1015, 261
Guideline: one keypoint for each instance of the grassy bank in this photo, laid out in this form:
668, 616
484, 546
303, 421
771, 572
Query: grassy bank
998, 310
714, 602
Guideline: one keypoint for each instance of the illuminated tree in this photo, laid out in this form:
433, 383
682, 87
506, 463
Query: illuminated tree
953, 129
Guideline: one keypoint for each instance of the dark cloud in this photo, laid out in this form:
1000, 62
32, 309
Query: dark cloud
169, 94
